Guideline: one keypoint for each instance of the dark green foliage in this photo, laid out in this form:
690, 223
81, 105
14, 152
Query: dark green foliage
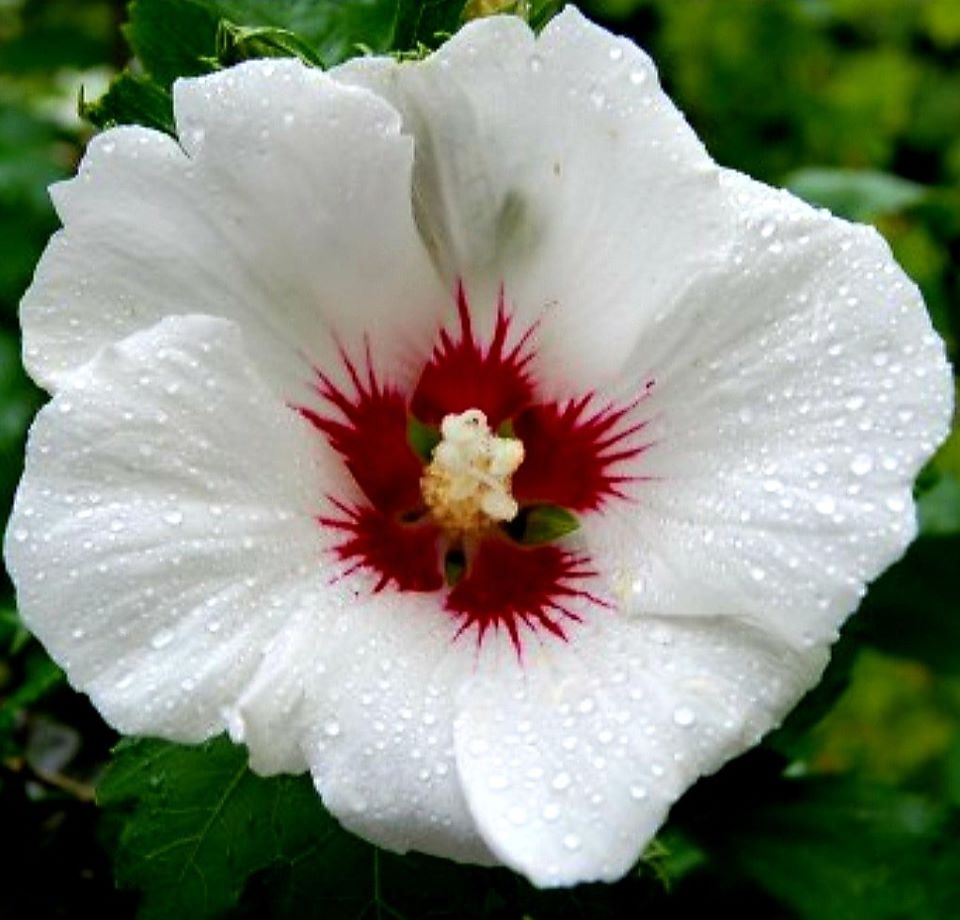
914, 609
199, 823
243, 43
863, 195
131, 99
827, 847
176, 38
198, 833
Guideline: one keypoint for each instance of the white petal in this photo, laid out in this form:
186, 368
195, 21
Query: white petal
558, 167
797, 393
377, 720
571, 762
162, 535
285, 207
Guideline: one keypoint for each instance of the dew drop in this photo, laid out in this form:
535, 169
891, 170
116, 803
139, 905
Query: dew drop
826, 505
517, 815
895, 503
173, 517
162, 639
561, 781
861, 465
684, 716
571, 841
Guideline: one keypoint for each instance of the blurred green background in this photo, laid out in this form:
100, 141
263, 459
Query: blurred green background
853, 104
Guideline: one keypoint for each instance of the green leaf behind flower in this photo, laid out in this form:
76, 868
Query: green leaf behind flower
131, 99
196, 824
858, 194
182, 38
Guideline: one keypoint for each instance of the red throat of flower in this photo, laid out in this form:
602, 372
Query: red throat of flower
472, 480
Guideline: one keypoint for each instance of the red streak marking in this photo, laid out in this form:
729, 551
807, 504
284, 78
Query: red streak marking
506, 584
403, 555
572, 453
462, 375
371, 437
575, 451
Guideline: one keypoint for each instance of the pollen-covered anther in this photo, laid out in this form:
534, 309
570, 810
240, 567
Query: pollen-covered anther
467, 484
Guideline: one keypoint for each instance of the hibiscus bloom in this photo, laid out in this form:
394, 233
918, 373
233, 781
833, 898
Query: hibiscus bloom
459, 431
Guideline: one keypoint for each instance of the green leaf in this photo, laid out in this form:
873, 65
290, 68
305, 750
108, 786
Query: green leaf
422, 438
939, 508
131, 99
177, 38
838, 849
173, 38
536, 12
671, 856
198, 823
913, 610
859, 194
41, 676
542, 524
242, 43
13, 635
425, 22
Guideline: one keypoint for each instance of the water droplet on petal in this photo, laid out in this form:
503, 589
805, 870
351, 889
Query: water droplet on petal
162, 639
895, 503
551, 811
826, 505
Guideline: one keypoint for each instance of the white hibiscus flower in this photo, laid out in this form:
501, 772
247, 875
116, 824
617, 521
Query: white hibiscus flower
333, 376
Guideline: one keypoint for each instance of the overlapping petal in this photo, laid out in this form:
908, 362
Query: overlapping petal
371, 696
571, 763
798, 391
555, 166
256, 215
162, 535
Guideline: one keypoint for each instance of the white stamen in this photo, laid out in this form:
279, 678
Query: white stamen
467, 484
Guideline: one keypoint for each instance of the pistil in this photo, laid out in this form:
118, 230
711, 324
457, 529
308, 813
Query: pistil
467, 483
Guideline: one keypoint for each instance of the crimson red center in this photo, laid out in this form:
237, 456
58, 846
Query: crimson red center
577, 455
